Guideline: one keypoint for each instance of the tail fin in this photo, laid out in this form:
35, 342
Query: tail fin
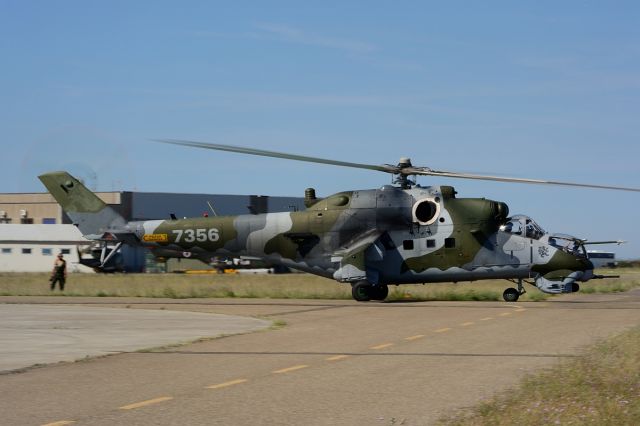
88, 212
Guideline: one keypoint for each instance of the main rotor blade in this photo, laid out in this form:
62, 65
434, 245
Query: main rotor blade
264, 153
429, 172
387, 168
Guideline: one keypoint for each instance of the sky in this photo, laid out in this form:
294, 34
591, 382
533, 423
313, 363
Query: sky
543, 89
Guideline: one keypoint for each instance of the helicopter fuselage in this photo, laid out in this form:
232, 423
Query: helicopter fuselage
382, 236
368, 238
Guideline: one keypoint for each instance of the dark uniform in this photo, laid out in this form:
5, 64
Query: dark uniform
59, 274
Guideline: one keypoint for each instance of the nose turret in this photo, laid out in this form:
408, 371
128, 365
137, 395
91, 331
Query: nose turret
568, 265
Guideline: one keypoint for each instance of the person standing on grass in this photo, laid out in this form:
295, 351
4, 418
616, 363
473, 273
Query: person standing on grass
59, 273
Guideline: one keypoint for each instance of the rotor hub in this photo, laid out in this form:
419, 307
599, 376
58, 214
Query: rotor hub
404, 162
401, 178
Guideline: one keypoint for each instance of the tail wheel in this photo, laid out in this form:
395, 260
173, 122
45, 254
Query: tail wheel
511, 295
362, 291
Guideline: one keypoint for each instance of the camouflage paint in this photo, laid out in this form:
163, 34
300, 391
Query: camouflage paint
390, 235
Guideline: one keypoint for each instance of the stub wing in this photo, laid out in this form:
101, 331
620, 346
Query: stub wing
355, 257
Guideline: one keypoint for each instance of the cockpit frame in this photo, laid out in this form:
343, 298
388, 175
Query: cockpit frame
524, 226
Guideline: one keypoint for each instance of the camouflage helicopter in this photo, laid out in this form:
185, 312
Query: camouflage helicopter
402, 233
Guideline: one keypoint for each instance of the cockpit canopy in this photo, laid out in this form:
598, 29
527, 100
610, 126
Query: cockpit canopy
524, 226
568, 243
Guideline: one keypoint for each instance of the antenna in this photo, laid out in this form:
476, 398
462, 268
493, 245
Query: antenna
212, 210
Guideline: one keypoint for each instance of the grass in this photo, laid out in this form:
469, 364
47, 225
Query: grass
601, 387
285, 286
177, 286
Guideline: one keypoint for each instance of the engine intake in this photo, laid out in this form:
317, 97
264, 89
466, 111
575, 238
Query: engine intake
426, 211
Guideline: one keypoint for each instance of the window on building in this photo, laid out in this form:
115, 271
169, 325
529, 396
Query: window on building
49, 220
65, 251
6, 250
449, 242
5, 220
407, 244
47, 252
431, 243
26, 251
26, 220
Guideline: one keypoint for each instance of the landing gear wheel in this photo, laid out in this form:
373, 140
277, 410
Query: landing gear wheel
361, 291
511, 295
575, 287
379, 292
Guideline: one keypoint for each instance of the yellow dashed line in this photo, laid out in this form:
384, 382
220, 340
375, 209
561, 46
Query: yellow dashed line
520, 310
382, 346
294, 368
337, 357
505, 314
60, 423
486, 319
416, 337
225, 384
466, 324
442, 330
145, 403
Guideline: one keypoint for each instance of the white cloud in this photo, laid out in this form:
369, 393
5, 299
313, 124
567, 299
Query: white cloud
294, 35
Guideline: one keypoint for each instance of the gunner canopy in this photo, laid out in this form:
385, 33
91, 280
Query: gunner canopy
568, 244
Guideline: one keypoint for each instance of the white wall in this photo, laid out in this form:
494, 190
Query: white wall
16, 261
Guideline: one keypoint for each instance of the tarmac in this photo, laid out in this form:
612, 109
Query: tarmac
43, 334
330, 362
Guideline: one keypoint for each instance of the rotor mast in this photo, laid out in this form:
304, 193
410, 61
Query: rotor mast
402, 179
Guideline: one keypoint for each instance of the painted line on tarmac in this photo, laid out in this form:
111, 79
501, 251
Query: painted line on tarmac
416, 337
145, 403
227, 384
336, 358
288, 369
382, 346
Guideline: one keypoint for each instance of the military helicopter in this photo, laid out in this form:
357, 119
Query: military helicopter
401, 233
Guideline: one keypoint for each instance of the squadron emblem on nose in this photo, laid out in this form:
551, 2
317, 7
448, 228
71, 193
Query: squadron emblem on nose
543, 251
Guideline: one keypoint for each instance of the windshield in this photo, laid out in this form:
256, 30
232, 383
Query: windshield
568, 244
524, 226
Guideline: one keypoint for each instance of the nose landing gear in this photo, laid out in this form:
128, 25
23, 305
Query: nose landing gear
512, 295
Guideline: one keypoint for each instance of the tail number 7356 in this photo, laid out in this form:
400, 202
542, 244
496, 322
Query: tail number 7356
193, 235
